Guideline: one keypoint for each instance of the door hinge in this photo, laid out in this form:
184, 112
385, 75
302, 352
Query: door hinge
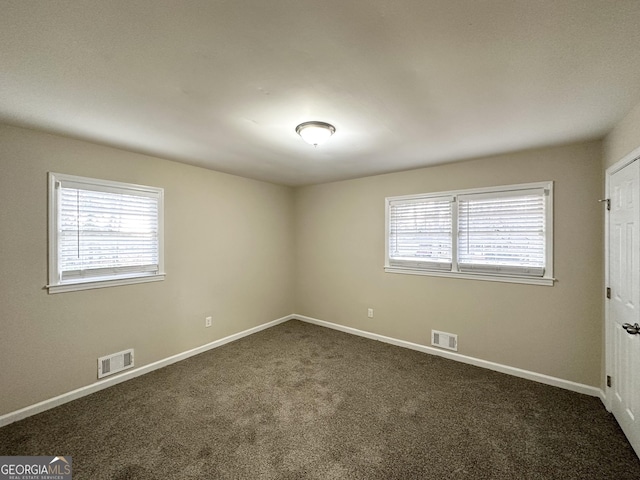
608, 292
608, 380
607, 201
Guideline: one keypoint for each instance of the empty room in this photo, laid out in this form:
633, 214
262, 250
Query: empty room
319, 239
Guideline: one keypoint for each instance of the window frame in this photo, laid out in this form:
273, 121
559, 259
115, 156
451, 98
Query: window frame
56, 284
547, 279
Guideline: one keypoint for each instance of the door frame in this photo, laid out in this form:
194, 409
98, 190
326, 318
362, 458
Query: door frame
608, 341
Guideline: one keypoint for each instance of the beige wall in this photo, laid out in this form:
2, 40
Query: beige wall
550, 330
623, 139
227, 254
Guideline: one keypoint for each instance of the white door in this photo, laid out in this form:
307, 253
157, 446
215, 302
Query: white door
624, 306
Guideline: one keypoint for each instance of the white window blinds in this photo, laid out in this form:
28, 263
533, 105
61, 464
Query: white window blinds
502, 232
420, 232
104, 230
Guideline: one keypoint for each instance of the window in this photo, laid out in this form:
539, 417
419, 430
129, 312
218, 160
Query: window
420, 233
499, 233
103, 233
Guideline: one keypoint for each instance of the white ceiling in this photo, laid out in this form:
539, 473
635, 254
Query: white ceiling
407, 83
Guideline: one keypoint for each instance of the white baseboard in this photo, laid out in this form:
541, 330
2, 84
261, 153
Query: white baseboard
517, 372
603, 398
129, 374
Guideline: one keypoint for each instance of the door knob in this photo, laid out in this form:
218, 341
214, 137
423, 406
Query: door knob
631, 329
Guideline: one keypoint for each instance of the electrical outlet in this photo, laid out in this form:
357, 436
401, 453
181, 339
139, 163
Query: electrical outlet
207, 322
370, 312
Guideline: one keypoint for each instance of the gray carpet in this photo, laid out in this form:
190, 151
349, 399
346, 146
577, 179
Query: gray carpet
299, 401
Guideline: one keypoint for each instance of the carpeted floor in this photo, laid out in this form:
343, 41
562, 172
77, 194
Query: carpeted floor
299, 401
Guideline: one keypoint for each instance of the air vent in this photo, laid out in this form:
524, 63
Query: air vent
115, 363
444, 340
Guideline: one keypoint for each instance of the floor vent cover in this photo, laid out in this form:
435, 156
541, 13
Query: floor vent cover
444, 340
115, 363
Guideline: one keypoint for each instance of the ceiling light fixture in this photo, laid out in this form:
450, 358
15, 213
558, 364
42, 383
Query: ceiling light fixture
315, 133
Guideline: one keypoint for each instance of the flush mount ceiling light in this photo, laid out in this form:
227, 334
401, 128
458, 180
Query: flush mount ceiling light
315, 133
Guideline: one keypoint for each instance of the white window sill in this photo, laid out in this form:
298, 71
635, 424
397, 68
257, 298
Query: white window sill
96, 283
547, 281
